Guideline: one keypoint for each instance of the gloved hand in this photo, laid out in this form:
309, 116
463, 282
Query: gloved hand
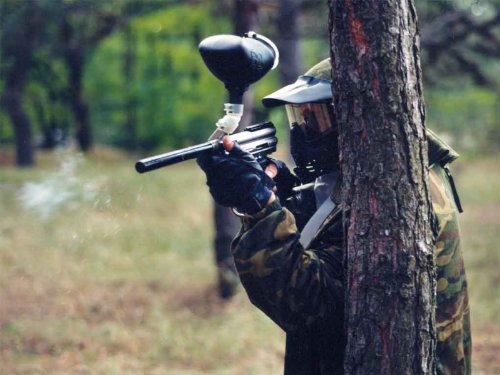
236, 179
285, 180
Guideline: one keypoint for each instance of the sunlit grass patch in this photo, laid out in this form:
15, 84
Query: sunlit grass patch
122, 281
479, 186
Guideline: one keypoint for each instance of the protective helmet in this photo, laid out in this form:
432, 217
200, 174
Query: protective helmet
313, 131
312, 87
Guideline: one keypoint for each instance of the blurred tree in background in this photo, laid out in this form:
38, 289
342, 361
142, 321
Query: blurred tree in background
460, 42
45, 47
151, 77
127, 73
19, 38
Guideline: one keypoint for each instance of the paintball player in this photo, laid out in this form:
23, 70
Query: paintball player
289, 253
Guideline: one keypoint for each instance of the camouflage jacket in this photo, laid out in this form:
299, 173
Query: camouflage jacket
302, 289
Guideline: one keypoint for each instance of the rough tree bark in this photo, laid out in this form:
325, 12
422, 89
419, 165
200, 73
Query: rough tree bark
380, 111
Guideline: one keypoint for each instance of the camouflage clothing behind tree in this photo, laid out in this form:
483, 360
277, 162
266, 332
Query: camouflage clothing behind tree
302, 290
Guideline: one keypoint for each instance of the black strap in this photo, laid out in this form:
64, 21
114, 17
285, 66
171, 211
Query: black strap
453, 189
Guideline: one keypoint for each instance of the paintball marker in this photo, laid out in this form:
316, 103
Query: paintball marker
259, 139
237, 62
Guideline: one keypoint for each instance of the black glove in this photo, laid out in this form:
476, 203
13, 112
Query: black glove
237, 180
285, 180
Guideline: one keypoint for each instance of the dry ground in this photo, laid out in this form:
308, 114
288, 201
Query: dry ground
110, 281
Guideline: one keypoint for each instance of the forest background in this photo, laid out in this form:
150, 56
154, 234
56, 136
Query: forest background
106, 271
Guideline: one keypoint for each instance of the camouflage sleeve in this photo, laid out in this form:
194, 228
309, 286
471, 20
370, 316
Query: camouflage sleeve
291, 285
452, 312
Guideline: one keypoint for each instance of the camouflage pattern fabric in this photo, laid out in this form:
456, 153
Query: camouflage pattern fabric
322, 70
452, 313
302, 289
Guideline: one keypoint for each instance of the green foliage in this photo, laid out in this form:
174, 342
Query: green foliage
6, 131
116, 271
174, 97
469, 116
315, 50
148, 88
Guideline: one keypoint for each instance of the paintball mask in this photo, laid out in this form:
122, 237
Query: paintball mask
313, 119
313, 131
313, 139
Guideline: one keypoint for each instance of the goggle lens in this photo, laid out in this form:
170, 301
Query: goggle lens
313, 118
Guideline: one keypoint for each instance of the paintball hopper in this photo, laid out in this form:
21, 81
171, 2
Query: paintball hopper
239, 61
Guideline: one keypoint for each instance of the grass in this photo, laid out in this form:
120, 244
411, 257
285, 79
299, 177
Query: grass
478, 182
112, 272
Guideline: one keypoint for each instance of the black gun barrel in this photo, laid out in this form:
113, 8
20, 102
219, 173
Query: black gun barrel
258, 138
173, 157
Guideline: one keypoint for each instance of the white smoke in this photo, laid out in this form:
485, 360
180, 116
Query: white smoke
61, 188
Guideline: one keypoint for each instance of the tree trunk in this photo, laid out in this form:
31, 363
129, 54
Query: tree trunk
226, 223
18, 44
129, 62
245, 16
390, 280
291, 62
245, 19
83, 132
12, 100
74, 57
